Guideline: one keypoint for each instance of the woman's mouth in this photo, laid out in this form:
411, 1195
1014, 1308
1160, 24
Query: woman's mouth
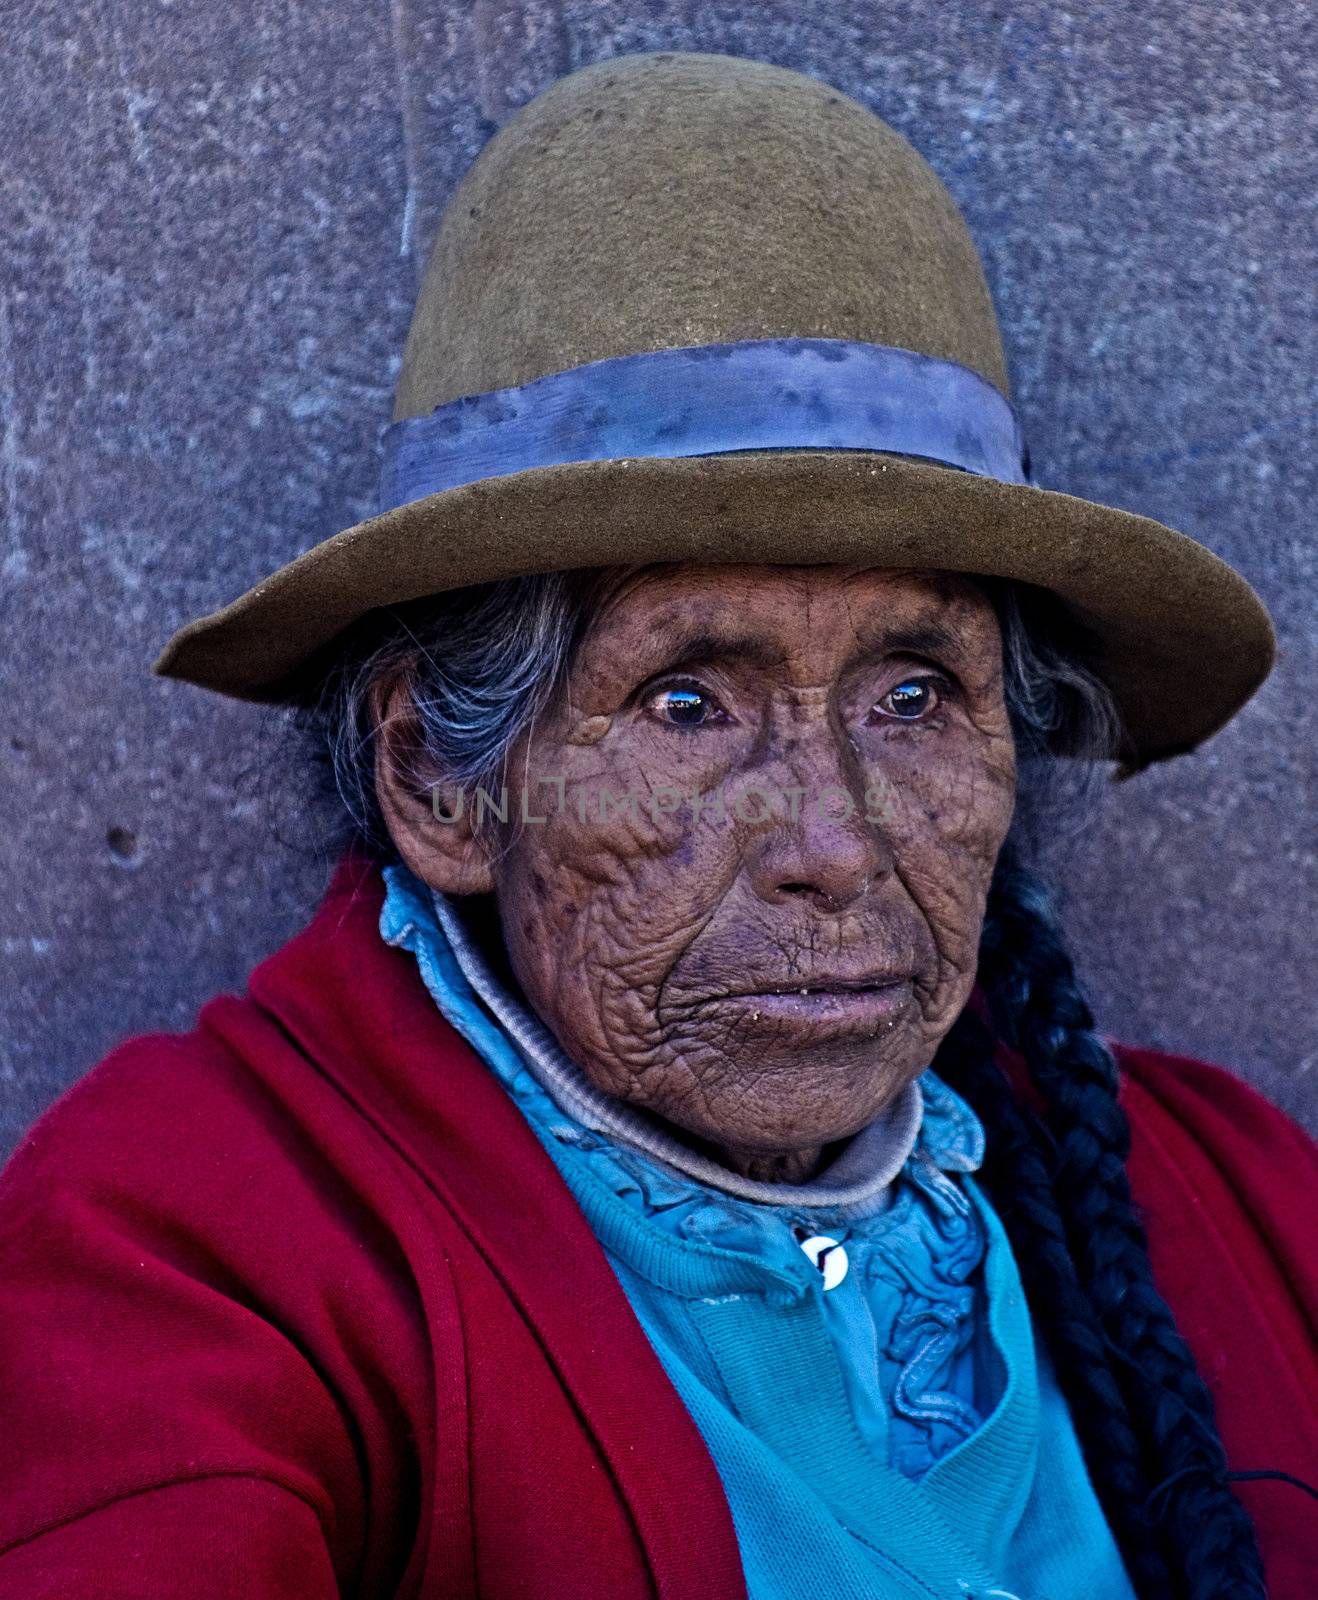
824, 1005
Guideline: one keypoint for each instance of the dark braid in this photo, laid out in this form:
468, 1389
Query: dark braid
1143, 1413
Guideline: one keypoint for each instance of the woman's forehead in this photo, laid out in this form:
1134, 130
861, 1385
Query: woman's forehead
749, 610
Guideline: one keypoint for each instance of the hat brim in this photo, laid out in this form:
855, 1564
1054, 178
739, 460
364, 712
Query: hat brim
1184, 639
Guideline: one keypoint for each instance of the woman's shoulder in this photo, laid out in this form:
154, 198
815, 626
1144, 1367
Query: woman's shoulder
182, 1276
240, 1092
1210, 1152
1225, 1182
229, 1134
181, 1107
1213, 1104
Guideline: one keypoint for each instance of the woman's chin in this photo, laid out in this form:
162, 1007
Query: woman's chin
786, 1098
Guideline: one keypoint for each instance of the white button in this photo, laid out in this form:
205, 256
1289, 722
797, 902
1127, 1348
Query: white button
829, 1256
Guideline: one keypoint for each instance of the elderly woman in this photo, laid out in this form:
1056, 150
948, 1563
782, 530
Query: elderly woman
677, 1159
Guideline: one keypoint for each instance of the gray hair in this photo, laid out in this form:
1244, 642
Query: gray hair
480, 664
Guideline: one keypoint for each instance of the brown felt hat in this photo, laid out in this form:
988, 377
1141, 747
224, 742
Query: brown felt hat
692, 307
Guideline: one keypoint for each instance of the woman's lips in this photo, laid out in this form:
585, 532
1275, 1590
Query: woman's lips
859, 1007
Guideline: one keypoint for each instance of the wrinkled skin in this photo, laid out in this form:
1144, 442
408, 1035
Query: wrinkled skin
666, 950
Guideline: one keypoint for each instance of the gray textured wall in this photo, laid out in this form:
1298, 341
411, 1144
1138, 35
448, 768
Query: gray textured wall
212, 226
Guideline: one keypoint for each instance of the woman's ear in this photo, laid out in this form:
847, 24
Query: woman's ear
428, 819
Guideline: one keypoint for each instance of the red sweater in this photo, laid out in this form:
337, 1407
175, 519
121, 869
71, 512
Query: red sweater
296, 1305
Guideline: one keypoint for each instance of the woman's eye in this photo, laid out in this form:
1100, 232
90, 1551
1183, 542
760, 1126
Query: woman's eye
685, 706
910, 699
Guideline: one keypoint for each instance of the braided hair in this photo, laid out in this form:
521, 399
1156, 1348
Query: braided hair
1143, 1413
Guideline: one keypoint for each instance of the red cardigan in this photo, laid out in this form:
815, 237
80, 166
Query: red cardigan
295, 1305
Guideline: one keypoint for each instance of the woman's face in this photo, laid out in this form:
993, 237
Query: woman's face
772, 800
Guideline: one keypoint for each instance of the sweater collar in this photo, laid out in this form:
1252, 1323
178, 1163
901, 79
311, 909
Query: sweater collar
470, 983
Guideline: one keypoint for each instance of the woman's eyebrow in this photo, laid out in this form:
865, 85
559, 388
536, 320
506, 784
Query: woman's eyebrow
913, 639
706, 647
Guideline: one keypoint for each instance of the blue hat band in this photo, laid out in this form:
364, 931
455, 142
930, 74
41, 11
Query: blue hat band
754, 394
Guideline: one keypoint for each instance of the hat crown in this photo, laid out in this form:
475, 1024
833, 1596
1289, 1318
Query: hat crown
672, 199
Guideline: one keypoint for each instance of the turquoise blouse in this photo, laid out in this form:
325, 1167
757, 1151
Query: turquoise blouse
864, 1375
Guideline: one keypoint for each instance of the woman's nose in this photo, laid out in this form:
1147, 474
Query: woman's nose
821, 849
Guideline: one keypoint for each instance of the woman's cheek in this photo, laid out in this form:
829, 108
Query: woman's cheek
622, 892
957, 793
